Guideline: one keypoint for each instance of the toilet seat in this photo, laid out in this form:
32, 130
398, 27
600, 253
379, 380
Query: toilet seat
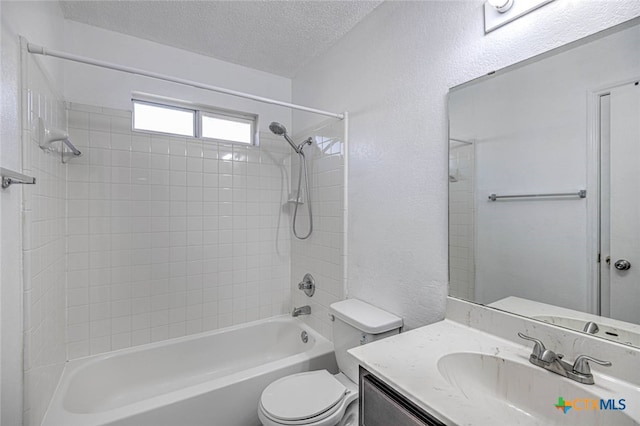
303, 422
315, 398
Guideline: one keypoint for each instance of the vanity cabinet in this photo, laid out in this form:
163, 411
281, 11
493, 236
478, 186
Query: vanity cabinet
381, 405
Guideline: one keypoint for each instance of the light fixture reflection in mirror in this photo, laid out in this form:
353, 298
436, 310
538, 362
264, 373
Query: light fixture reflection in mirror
501, 5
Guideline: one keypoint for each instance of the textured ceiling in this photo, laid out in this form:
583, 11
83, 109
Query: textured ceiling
274, 36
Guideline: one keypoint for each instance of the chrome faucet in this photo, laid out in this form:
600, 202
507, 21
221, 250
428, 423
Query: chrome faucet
591, 328
308, 285
303, 310
580, 371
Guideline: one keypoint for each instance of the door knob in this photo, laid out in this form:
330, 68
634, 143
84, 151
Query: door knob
622, 265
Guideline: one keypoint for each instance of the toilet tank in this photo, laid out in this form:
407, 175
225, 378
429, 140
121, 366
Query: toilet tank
356, 323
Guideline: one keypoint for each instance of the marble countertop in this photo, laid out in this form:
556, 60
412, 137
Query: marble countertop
409, 363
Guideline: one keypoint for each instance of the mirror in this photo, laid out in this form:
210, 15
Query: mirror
544, 187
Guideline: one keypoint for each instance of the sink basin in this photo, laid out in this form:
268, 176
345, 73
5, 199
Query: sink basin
526, 394
616, 334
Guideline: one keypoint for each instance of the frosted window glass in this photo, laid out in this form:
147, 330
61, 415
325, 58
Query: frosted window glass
158, 118
229, 130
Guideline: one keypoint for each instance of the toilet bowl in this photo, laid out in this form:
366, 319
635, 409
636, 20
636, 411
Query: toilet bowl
319, 398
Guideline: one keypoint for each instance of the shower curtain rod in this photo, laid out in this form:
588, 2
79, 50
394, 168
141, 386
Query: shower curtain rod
41, 50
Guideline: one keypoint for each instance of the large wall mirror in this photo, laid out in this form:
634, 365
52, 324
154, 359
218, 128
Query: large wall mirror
544, 187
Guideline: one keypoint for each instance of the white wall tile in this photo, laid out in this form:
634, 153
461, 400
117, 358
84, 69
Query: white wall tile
144, 247
322, 253
44, 253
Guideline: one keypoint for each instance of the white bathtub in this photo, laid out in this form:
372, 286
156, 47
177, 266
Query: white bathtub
208, 379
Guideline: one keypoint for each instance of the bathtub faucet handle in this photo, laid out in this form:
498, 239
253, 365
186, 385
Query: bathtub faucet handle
308, 285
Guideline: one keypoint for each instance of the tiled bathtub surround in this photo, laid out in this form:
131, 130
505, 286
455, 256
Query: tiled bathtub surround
322, 254
170, 236
43, 247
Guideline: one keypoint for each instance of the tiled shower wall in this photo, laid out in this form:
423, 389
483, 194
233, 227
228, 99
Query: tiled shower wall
170, 236
44, 256
322, 254
461, 221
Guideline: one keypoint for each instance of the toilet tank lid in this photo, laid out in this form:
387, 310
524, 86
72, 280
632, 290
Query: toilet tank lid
365, 317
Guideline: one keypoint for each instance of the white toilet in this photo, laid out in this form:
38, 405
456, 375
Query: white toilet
318, 398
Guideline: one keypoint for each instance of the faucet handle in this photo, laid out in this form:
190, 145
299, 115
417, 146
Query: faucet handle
538, 348
581, 364
308, 285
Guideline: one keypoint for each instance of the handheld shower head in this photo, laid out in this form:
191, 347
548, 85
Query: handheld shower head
278, 129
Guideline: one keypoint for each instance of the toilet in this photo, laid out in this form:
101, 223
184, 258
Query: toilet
319, 398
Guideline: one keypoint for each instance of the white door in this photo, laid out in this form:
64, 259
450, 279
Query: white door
624, 204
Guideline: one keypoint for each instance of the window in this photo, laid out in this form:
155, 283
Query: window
226, 128
178, 118
163, 119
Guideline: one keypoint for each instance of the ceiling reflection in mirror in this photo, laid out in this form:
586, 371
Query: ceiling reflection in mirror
544, 187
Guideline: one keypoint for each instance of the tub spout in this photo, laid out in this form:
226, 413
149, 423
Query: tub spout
303, 310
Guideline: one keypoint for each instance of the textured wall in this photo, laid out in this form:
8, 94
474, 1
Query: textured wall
392, 72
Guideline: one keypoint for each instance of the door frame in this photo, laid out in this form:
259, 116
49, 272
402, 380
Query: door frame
593, 191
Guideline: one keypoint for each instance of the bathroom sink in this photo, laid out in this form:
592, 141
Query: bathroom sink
525, 393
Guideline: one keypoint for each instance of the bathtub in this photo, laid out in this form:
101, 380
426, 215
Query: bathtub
208, 379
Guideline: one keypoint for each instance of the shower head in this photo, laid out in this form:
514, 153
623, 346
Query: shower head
278, 129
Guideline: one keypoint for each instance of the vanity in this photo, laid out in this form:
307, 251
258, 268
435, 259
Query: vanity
382, 405
473, 369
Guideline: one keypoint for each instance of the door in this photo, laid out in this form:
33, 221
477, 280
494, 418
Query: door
623, 266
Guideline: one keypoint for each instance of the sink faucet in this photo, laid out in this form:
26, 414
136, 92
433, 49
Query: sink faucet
580, 371
591, 328
303, 310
